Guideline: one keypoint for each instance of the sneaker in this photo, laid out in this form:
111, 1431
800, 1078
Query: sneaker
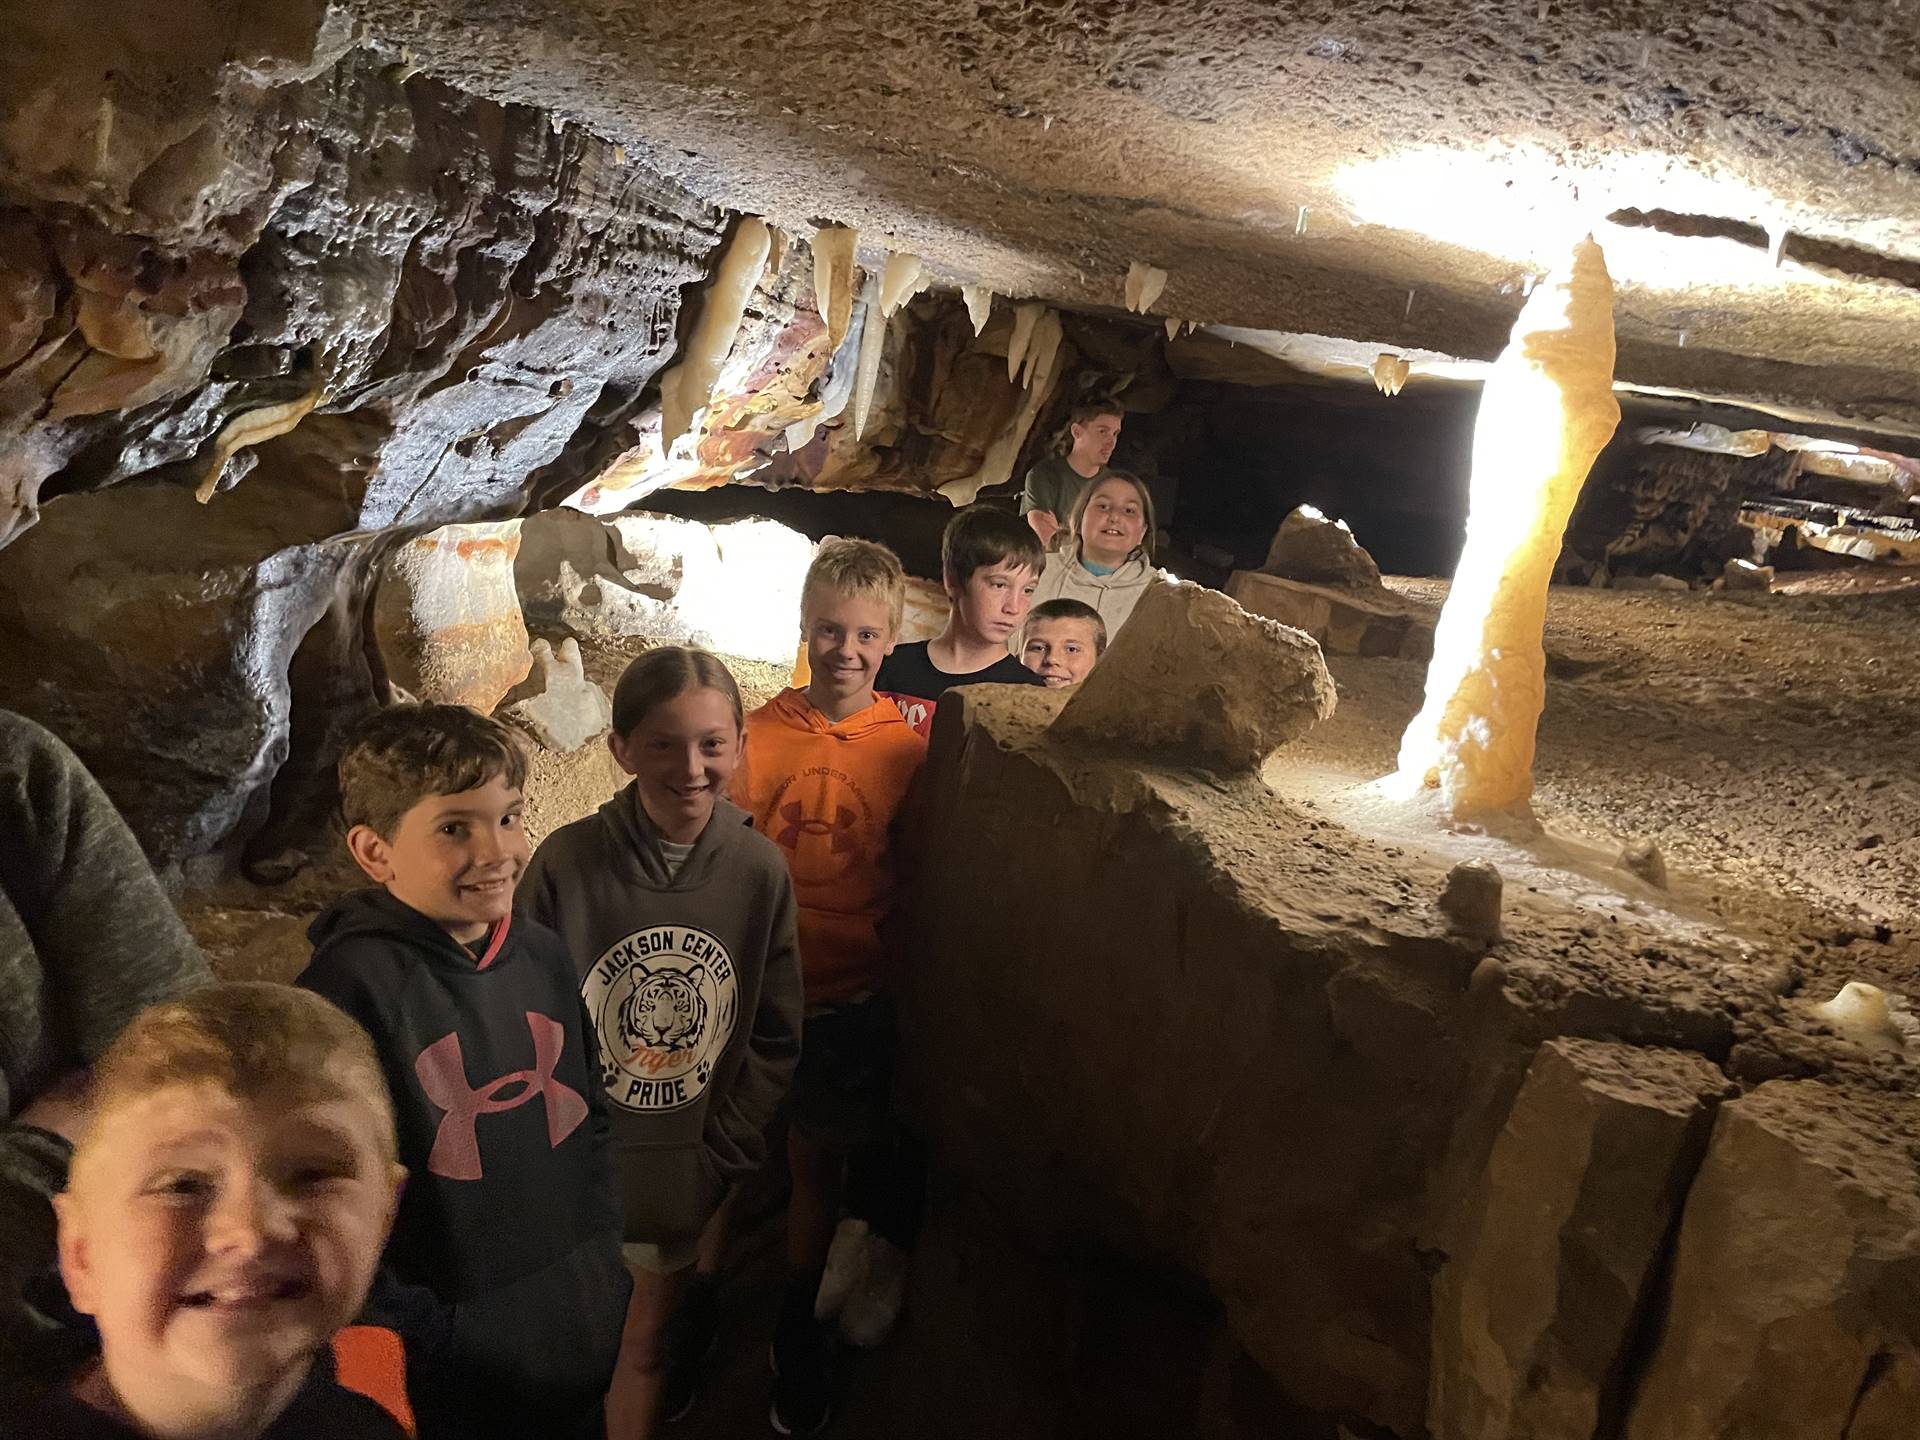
873, 1309
692, 1336
846, 1263
802, 1381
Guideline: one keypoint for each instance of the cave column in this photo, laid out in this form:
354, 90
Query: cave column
1546, 412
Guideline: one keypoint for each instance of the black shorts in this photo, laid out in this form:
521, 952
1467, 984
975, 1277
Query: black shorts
842, 1095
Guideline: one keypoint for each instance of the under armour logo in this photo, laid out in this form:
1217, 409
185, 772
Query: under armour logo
443, 1075
840, 828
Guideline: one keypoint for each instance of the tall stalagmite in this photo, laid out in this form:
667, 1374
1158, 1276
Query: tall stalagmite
1547, 411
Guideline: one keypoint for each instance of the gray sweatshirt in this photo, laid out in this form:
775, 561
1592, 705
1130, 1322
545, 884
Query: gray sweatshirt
87, 939
691, 978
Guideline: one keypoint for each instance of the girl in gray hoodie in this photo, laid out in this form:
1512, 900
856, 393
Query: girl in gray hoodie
680, 920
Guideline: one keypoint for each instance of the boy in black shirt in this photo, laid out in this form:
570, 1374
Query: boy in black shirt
990, 562
509, 1218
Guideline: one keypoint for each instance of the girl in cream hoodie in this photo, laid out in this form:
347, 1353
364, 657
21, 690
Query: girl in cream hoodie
1109, 562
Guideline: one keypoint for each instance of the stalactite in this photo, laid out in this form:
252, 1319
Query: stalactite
688, 385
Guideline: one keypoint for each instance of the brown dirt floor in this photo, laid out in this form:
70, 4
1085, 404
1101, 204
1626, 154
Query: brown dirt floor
1764, 743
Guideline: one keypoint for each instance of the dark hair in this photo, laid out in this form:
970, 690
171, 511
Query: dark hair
1139, 488
657, 676
981, 536
1064, 609
1090, 410
403, 754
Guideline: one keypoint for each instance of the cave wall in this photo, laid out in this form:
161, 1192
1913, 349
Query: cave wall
1551, 1188
268, 305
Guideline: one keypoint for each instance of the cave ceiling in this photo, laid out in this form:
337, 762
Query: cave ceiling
1395, 174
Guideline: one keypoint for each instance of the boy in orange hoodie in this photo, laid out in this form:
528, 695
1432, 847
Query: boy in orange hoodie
824, 775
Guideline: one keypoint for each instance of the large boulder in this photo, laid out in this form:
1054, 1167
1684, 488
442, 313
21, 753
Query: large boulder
1534, 1312
1321, 551
448, 617
1194, 677
1795, 1298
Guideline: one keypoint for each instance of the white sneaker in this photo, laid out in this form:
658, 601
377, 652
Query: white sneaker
869, 1314
846, 1267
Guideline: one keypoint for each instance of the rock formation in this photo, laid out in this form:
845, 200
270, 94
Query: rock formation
1432, 1186
1547, 410
1194, 677
447, 616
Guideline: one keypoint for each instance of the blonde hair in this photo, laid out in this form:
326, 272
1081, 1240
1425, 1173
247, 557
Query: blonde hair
1085, 498
860, 568
255, 1040
404, 754
657, 676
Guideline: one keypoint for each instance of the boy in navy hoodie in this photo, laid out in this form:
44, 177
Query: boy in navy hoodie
509, 1218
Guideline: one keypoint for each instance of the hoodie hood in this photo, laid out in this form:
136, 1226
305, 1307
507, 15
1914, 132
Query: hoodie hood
796, 712
373, 911
636, 841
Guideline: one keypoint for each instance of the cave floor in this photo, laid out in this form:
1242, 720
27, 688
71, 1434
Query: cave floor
1765, 743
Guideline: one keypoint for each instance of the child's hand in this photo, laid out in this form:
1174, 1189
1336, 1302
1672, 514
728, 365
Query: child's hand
64, 1107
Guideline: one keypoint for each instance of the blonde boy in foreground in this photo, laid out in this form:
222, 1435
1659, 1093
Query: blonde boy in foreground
227, 1206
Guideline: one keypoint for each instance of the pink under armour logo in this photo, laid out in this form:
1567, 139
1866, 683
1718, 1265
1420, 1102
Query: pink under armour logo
443, 1075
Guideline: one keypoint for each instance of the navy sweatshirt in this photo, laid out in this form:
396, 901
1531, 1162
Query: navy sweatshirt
509, 1215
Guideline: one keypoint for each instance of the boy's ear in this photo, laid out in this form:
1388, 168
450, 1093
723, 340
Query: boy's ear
75, 1268
371, 853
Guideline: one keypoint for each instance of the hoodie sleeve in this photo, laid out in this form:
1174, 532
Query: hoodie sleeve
736, 1127
105, 937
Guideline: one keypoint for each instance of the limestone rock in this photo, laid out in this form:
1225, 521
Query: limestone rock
1321, 551
1471, 900
1344, 621
1793, 1308
1535, 1309
1743, 576
1643, 858
1194, 676
567, 710
155, 635
448, 617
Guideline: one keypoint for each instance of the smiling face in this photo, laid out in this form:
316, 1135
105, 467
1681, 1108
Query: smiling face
1093, 442
1060, 652
1113, 523
218, 1243
682, 753
988, 609
454, 858
847, 636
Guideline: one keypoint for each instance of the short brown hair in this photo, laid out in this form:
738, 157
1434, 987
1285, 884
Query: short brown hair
981, 536
403, 754
1064, 609
255, 1040
1088, 411
1085, 496
863, 568
657, 676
